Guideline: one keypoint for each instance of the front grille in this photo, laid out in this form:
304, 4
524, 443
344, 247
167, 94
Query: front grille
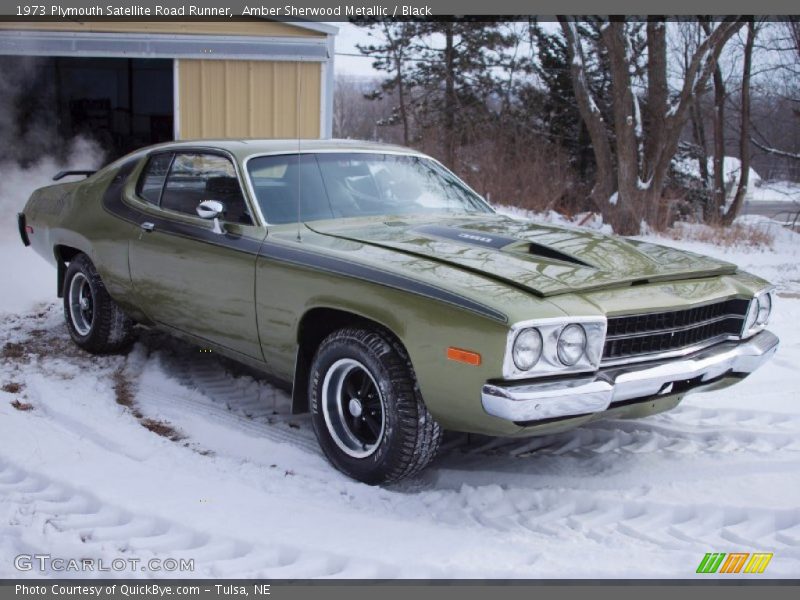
656, 333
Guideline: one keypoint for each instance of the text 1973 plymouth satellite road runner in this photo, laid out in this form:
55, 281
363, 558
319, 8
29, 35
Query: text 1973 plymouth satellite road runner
389, 294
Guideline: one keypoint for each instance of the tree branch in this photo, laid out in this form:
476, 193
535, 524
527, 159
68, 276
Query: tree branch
775, 151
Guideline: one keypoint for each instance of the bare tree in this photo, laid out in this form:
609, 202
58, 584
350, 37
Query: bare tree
643, 156
744, 133
718, 190
690, 34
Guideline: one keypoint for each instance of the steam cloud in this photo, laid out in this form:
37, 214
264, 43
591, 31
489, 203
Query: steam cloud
31, 148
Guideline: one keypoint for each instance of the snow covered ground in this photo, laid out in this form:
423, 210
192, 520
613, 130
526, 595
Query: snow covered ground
775, 191
772, 198
237, 483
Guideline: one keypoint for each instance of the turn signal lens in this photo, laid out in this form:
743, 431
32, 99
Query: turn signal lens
464, 356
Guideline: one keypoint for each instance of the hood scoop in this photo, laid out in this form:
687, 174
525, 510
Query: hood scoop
498, 242
542, 251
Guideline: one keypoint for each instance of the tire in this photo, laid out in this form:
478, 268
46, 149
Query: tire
94, 320
372, 369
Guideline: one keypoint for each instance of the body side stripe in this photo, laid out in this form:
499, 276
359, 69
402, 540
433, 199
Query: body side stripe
281, 252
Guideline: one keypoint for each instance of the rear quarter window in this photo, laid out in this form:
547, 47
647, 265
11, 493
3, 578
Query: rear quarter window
151, 182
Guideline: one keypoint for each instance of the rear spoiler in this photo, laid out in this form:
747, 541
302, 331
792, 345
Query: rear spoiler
62, 174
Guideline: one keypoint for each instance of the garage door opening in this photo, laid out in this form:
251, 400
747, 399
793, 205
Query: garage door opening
121, 104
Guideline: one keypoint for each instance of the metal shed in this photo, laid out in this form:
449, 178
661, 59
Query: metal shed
182, 80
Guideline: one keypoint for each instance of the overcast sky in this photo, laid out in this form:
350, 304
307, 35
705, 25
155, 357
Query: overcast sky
349, 36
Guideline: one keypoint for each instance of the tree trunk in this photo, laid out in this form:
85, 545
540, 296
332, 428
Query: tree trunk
401, 99
604, 185
640, 174
629, 209
718, 192
449, 98
744, 134
698, 128
699, 134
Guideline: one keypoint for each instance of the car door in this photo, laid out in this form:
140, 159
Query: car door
185, 275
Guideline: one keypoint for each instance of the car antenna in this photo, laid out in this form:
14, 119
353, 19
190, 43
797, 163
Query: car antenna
299, 164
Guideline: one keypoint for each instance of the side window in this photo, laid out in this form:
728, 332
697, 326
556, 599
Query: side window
195, 177
281, 181
151, 182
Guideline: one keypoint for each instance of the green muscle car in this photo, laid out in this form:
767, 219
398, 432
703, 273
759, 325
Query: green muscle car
389, 295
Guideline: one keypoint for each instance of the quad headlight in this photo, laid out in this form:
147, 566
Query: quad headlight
758, 312
554, 346
764, 308
527, 349
571, 344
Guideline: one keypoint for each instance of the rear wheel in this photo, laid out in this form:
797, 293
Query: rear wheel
366, 408
94, 320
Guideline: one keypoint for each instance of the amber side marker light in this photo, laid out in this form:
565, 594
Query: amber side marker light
464, 356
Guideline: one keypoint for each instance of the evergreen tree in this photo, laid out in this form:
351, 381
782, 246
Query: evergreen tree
459, 74
393, 55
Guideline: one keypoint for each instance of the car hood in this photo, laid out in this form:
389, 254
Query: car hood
542, 259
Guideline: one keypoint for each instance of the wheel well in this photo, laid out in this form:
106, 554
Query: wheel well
314, 327
63, 254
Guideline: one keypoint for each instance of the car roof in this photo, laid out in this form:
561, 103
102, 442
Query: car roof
242, 148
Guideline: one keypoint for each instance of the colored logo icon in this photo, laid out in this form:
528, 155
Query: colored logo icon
734, 562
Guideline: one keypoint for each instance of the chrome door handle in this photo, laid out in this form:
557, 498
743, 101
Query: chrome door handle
147, 226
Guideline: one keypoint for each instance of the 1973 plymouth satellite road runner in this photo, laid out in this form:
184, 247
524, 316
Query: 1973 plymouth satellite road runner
391, 297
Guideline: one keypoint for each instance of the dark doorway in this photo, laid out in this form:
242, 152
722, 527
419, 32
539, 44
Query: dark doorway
120, 103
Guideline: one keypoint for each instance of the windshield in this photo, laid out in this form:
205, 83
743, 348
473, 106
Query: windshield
308, 187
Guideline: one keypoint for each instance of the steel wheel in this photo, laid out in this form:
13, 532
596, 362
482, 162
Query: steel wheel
81, 304
353, 408
366, 409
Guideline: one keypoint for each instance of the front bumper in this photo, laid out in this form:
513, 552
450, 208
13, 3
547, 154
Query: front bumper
585, 395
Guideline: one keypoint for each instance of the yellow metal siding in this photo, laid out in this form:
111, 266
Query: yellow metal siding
239, 98
254, 27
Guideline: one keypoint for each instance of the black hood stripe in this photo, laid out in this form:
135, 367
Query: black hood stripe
467, 236
496, 242
283, 252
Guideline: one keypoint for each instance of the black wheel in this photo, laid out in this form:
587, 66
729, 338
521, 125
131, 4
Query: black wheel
366, 408
94, 320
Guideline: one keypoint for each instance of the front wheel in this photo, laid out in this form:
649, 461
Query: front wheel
94, 320
366, 408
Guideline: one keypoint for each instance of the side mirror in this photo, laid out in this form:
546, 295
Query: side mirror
211, 209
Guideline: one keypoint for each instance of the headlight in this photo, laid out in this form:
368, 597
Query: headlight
758, 312
527, 349
554, 346
752, 315
764, 308
571, 344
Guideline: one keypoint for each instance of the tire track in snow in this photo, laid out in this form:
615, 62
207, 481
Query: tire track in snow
714, 432
568, 514
70, 518
497, 483
208, 389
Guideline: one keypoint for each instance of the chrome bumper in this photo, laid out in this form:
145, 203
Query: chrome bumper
597, 392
